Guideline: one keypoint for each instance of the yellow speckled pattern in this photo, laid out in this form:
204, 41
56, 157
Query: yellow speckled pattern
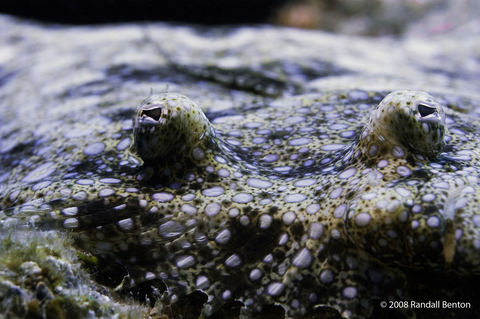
306, 201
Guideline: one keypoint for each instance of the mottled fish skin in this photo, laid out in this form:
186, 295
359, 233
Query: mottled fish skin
307, 201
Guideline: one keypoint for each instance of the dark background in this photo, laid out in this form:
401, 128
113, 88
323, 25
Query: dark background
208, 12
355, 17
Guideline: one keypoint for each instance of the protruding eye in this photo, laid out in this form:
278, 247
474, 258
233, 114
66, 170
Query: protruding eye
153, 113
425, 110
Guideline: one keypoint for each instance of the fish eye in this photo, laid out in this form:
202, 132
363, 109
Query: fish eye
153, 113
426, 110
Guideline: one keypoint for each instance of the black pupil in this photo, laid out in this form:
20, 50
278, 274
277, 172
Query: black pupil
153, 113
426, 110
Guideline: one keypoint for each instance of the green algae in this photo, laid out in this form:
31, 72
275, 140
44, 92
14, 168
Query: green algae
41, 276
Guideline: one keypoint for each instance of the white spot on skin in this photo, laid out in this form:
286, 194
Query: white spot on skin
223, 237
226, 295
476, 220
294, 120
332, 147
369, 196
398, 152
457, 131
149, 276
350, 292
316, 230
126, 224
268, 258
123, 144
362, 219
433, 221
41, 185
232, 213
348, 173
305, 182
270, 158
223, 172
429, 197
202, 282
300, 141
233, 261
441, 185
426, 128
242, 198
14, 195
338, 126
70, 223
458, 234
198, 153
335, 233
94, 149
171, 229
403, 192
265, 221
340, 211
302, 259
185, 261
259, 140
283, 240
110, 180
313, 208
244, 220
189, 209
106, 192
393, 206
188, 197
382, 204
288, 217
275, 289
265, 201
162, 197
213, 192
415, 224
255, 274
212, 209
85, 182
40, 172
347, 134
476, 243
295, 198
336, 193
258, 183
70, 211
326, 276
382, 163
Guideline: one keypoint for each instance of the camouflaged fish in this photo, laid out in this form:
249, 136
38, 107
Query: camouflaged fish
310, 200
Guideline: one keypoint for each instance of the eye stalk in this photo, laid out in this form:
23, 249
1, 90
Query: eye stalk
170, 125
405, 121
